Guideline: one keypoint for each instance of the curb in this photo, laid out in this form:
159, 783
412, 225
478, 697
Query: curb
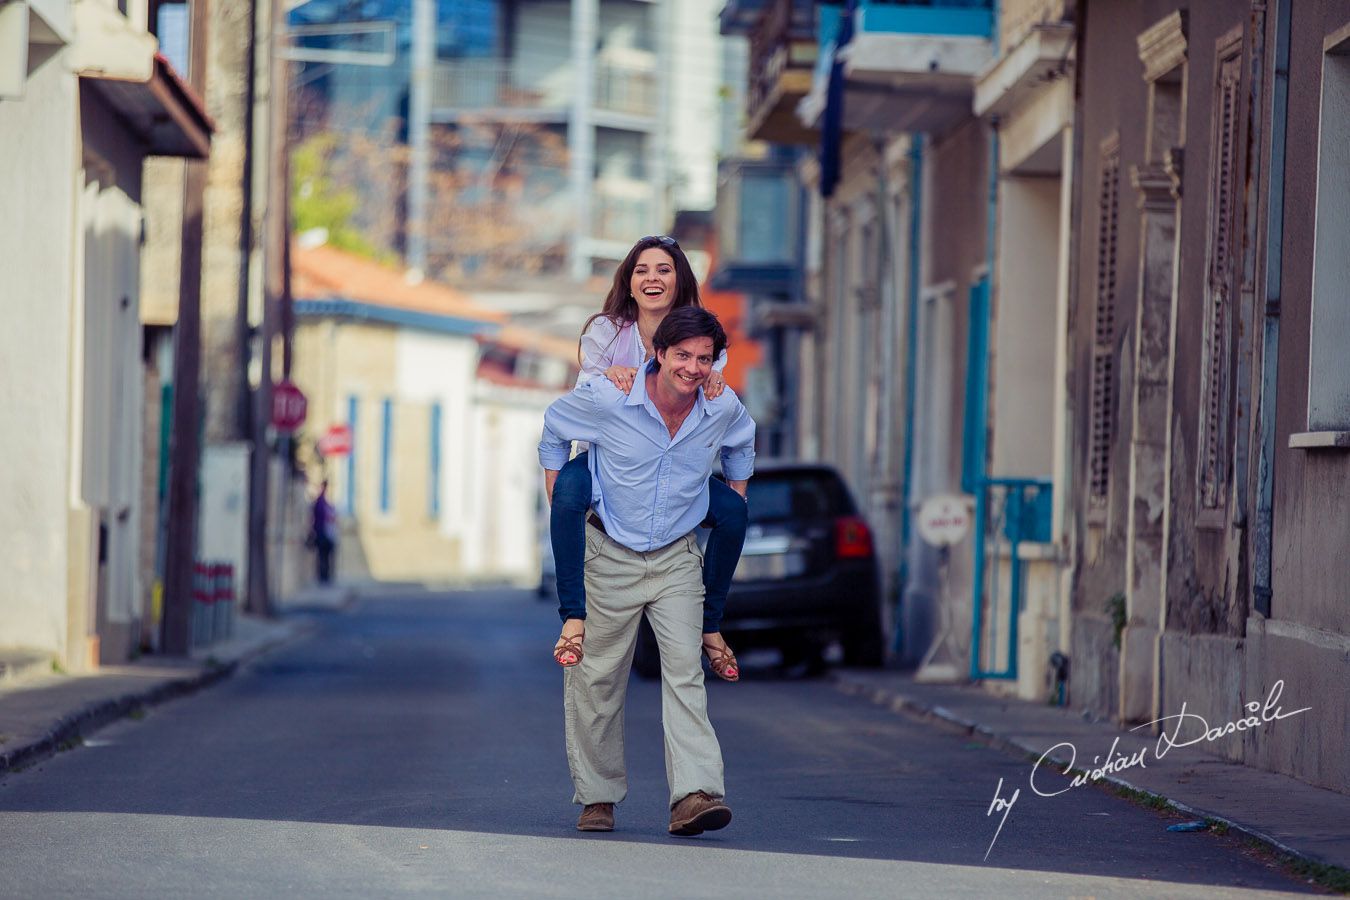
934, 714
66, 731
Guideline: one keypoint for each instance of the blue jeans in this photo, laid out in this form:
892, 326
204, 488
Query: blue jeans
727, 517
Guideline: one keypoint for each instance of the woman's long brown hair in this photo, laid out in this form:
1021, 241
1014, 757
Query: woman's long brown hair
620, 307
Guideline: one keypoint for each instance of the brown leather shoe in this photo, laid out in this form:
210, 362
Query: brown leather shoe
697, 813
596, 817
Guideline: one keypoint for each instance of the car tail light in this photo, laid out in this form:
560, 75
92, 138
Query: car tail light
852, 538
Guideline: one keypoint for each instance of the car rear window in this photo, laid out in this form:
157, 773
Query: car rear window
802, 495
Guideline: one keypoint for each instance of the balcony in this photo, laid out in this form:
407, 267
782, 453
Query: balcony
783, 50
623, 95
910, 65
758, 216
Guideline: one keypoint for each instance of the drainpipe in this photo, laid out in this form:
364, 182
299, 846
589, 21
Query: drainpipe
981, 423
1270, 343
911, 367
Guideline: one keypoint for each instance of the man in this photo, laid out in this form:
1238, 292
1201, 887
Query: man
651, 455
324, 534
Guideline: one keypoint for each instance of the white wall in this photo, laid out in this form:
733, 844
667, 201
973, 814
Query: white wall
440, 369
1023, 369
508, 483
37, 182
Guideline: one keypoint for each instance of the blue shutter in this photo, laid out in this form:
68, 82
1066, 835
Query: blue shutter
977, 395
434, 488
386, 433
349, 501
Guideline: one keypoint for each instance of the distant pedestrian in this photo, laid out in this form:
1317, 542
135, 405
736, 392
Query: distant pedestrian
324, 534
652, 450
654, 279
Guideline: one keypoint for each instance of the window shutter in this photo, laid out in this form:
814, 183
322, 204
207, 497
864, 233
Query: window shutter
1102, 427
1215, 389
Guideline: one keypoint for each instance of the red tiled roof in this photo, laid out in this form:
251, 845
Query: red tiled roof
325, 272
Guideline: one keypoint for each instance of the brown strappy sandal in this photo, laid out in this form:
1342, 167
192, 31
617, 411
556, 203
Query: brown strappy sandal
722, 661
569, 645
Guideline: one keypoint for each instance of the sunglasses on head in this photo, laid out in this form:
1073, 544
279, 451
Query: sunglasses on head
664, 240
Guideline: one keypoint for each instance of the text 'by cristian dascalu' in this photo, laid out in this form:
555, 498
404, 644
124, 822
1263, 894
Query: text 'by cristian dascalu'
1258, 713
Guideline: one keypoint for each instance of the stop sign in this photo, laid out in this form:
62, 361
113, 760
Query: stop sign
288, 406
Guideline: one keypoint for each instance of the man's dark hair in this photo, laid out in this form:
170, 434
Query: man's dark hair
689, 322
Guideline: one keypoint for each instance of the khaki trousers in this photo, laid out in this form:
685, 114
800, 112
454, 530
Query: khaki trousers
622, 584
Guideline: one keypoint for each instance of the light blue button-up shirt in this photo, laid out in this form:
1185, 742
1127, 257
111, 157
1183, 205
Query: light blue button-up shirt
649, 488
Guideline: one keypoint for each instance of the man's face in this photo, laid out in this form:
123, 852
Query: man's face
686, 365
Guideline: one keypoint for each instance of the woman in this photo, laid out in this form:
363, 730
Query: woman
654, 278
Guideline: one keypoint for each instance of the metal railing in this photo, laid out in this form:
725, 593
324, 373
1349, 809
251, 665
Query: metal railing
621, 218
480, 84
1008, 513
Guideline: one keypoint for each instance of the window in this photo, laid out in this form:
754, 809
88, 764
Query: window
1217, 349
349, 501
1328, 375
1103, 407
386, 445
434, 473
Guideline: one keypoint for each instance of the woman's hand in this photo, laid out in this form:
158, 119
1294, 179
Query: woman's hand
622, 376
714, 386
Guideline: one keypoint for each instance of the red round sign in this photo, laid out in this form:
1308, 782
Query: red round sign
337, 441
288, 406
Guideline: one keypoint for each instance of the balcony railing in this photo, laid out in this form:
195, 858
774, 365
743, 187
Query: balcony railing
783, 41
479, 84
621, 218
476, 84
625, 89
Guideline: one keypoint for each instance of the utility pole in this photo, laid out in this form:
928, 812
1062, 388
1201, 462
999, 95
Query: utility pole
184, 443
276, 232
419, 131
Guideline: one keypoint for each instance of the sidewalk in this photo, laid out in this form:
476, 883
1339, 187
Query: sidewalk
43, 712
1284, 813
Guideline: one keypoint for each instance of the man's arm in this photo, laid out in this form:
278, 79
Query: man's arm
572, 417
738, 450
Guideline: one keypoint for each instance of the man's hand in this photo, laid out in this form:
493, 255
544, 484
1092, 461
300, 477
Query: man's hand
550, 476
713, 387
740, 487
622, 376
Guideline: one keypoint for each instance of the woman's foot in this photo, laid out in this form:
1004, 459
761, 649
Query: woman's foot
720, 657
568, 651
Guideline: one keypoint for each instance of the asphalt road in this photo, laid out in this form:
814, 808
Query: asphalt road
413, 746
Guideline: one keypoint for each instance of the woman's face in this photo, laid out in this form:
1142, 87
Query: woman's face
653, 281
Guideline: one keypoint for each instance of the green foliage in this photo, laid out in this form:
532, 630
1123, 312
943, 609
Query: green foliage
1115, 608
317, 201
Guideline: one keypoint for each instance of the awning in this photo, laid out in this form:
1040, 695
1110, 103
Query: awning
168, 115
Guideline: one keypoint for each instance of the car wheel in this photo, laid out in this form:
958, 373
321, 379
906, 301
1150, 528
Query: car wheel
647, 656
864, 648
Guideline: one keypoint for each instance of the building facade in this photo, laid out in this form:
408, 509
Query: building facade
1073, 262
443, 400
85, 100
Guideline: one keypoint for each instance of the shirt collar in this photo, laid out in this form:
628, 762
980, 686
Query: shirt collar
638, 395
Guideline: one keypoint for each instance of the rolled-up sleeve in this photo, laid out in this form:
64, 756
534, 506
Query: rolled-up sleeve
572, 417
738, 446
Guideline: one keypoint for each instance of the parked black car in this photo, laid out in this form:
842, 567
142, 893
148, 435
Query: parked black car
808, 573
